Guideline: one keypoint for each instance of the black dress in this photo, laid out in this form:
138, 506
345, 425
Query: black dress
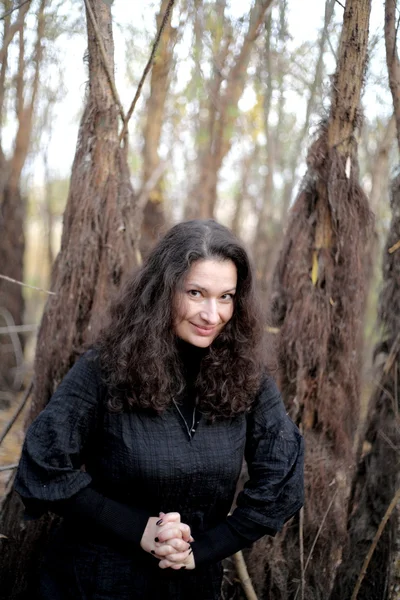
137, 464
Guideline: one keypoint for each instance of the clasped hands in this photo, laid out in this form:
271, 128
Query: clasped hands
167, 539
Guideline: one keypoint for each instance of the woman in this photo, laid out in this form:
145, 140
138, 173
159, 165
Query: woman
160, 413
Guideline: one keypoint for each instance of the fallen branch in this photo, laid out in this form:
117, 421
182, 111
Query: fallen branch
19, 410
31, 287
375, 541
244, 576
146, 69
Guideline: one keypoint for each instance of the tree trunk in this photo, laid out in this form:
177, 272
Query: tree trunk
97, 248
317, 302
12, 203
154, 221
377, 478
315, 89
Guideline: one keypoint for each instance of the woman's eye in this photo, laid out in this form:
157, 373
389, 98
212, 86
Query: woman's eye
227, 296
194, 293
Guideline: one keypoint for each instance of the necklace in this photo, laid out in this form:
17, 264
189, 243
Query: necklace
192, 429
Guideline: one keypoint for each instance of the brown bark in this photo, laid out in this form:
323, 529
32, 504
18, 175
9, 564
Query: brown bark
377, 477
154, 220
318, 298
223, 111
12, 204
97, 248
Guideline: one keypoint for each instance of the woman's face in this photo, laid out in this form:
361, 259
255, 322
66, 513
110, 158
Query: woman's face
205, 304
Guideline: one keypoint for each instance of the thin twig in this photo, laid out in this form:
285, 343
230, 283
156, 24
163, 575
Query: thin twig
18, 329
316, 538
146, 69
31, 287
301, 542
340, 4
3, 16
244, 576
375, 541
15, 416
105, 60
9, 467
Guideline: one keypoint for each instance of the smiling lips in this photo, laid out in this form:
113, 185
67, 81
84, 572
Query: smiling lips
202, 330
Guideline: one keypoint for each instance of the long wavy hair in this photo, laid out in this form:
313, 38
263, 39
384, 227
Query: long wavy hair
138, 348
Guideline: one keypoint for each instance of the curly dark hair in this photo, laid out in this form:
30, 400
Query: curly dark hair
138, 348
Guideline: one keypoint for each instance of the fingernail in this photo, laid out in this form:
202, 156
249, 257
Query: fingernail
159, 522
156, 539
191, 550
152, 551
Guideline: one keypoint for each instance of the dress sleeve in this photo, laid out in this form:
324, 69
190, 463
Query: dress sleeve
50, 475
52, 456
275, 489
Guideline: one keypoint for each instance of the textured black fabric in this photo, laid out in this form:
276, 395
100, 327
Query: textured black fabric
146, 464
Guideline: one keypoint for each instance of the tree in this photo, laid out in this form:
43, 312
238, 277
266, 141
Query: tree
12, 202
317, 301
377, 476
269, 228
154, 214
225, 88
97, 248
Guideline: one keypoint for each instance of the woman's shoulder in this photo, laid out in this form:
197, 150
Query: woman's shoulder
268, 410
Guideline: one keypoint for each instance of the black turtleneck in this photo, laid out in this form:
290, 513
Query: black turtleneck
191, 357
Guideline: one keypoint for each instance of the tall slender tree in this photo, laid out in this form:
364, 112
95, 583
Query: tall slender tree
97, 248
318, 297
377, 477
12, 201
154, 213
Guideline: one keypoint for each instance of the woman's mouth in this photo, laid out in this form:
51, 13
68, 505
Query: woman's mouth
202, 330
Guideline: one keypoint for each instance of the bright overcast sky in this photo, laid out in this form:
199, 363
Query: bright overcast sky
305, 18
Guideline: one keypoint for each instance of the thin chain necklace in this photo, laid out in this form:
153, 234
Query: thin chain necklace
192, 429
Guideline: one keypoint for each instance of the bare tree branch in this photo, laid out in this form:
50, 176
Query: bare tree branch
13, 30
9, 467
6, 14
32, 287
147, 69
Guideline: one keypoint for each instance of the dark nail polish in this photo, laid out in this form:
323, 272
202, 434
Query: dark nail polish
156, 539
183, 567
152, 551
159, 522
191, 550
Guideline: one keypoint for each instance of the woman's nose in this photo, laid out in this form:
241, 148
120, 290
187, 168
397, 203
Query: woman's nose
210, 312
